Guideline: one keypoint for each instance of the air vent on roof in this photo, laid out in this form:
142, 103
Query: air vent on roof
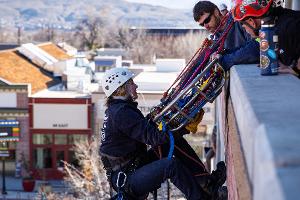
70, 50
38, 56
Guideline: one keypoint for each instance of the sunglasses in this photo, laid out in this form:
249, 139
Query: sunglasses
206, 21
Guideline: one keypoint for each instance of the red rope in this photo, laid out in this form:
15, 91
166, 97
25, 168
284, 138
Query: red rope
198, 54
208, 53
190, 157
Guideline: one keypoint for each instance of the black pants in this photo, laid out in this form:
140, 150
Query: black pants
180, 170
150, 176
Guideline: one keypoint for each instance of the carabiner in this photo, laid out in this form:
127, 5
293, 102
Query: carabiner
124, 179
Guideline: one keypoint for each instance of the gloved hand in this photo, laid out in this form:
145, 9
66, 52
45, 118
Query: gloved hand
192, 126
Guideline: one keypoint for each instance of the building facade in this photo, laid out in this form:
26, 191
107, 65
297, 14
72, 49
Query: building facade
13, 122
55, 125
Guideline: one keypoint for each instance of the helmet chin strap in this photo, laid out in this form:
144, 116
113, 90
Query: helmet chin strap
119, 97
255, 30
128, 97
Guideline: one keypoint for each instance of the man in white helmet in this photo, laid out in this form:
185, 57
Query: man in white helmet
223, 9
123, 149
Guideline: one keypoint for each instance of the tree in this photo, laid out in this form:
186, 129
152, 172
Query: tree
89, 180
144, 47
91, 32
45, 35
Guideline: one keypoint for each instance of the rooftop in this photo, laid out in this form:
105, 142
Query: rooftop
16, 69
154, 81
54, 51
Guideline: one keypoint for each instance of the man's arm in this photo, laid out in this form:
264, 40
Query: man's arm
247, 54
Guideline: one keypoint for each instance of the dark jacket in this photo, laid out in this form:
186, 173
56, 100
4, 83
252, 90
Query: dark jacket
287, 26
240, 48
126, 131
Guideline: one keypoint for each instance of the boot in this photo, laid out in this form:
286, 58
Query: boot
222, 193
212, 183
218, 176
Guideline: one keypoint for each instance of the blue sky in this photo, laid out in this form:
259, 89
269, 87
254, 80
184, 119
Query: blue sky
181, 4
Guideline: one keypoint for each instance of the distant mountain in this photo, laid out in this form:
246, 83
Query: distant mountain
66, 14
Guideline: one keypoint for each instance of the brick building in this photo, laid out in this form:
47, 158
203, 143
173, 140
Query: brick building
25, 111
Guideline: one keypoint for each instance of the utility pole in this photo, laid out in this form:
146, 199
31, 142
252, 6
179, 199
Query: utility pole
19, 35
3, 176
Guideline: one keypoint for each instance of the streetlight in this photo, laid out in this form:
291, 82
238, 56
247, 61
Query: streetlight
3, 171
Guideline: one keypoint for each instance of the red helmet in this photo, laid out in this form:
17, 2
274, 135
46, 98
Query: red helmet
250, 8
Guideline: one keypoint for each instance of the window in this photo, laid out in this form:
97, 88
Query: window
42, 139
60, 139
77, 138
42, 158
4, 145
12, 145
60, 157
12, 155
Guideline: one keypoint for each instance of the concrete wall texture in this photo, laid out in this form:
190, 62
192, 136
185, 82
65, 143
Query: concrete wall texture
266, 112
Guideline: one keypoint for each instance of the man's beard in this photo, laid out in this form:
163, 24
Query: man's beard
218, 23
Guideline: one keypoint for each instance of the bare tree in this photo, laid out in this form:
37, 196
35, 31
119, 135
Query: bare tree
89, 180
185, 46
121, 37
91, 32
47, 34
8, 35
144, 47
141, 50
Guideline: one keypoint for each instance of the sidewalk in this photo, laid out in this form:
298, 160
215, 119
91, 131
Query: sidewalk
15, 190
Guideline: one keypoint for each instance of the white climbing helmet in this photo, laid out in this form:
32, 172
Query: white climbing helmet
277, 3
115, 78
222, 6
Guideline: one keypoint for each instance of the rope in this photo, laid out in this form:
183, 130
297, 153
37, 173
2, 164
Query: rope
171, 138
219, 43
192, 60
187, 155
206, 49
172, 146
170, 155
203, 46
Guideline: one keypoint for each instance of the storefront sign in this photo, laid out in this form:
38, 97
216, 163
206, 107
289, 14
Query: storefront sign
60, 116
60, 125
9, 130
8, 100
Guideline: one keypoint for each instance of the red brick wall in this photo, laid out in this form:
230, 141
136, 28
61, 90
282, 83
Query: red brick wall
23, 144
22, 100
231, 178
238, 184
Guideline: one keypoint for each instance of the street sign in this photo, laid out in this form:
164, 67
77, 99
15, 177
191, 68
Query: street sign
4, 153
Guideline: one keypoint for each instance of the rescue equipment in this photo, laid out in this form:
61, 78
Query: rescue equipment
199, 82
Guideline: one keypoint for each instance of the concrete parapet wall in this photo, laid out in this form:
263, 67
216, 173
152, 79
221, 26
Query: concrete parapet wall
267, 114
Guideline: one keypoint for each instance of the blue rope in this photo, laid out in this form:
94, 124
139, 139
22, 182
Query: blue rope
171, 150
171, 137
